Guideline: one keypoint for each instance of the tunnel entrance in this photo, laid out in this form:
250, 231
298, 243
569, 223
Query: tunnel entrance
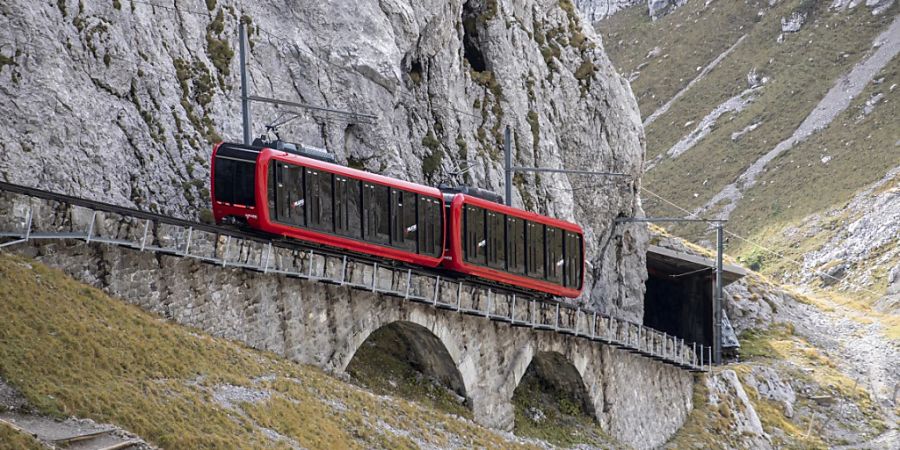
407, 360
679, 298
552, 404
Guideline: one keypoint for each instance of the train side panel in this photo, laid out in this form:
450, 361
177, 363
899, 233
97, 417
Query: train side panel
330, 238
456, 255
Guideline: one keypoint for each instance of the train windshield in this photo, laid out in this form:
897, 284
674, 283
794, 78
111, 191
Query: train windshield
234, 181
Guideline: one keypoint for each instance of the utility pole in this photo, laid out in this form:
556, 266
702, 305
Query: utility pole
507, 164
719, 296
508, 168
718, 293
245, 100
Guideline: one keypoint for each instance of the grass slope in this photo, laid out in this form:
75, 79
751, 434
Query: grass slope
72, 350
801, 70
10, 439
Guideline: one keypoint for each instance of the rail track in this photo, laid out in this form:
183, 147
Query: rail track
228, 247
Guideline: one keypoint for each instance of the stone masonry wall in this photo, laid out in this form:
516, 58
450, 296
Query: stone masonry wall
639, 401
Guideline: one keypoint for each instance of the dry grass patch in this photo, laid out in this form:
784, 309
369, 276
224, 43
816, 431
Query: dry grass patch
10, 439
72, 350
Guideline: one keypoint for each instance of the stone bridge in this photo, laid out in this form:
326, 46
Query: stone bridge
638, 400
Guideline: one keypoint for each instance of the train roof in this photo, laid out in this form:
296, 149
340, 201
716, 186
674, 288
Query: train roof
268, 153
520, 213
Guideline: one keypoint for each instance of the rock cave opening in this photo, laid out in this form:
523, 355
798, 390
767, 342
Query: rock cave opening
407, 360
415, 71
471, 15
551, 403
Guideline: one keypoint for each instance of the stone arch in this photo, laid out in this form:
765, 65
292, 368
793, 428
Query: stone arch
427, 346
558, 371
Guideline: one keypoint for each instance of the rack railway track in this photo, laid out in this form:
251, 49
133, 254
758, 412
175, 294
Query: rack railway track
263, 253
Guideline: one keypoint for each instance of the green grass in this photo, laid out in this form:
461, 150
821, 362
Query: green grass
566, 422
692, 36
862, 150
800, 71
759, 343
10, 439
73, 351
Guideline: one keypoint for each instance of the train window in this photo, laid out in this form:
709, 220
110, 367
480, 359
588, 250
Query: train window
496, 237
515, 245
403, 220
534, 259
574, 260
430, 226
234, 181
270, 192
376, 207
286, 186
555, 258
319, 197
474, 238
347, 206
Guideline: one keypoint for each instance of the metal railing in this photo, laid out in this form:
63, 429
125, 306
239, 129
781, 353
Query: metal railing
112, 225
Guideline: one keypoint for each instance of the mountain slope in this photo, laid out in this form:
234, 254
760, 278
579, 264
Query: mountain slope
773, 114
814, 371
73, 351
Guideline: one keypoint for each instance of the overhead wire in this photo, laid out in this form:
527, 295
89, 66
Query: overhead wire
146, 65
318, 58
779, 255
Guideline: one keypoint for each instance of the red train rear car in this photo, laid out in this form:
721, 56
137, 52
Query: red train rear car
515, 247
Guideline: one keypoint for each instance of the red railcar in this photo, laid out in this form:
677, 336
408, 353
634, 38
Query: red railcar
300, 197
514, 247
328, 204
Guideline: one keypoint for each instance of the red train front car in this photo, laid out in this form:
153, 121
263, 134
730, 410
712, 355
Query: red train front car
293, 194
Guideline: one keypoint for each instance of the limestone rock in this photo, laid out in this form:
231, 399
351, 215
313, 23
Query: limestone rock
728, 394
750, 305
659, 8
595, 10
876, 6
10, 398
793, 23
120, 102
766, 381
729, 337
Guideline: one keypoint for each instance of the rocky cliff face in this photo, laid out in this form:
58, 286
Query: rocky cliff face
121, 101
797, 367
595, 10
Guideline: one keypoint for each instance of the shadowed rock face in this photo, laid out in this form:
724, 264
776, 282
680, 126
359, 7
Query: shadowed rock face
121, 103
553, 372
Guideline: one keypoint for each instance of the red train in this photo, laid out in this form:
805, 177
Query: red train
299, 194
